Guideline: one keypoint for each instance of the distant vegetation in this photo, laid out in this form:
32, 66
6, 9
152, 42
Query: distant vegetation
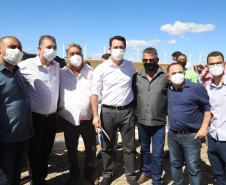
138, 65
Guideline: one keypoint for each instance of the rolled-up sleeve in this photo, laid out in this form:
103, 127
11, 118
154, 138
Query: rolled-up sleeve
97, 83
203, 98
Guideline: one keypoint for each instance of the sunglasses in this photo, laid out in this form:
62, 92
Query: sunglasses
146, 60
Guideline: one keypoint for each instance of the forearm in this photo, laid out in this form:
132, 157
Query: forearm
206, 119
94, 104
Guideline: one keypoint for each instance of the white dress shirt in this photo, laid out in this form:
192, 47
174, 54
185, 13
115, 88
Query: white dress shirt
75, 92
113, 84
42, 83
217, 99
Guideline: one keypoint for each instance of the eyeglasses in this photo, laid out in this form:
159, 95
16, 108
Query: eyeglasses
217, 64
146, 60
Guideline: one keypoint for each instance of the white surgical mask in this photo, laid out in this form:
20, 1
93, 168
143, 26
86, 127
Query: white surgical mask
216, 70
49, 54
177, 79
76, 60
13, 56
118, 54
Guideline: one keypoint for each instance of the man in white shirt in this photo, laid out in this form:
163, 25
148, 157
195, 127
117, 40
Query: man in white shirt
76, 111
112, 82
41, 76
217, 97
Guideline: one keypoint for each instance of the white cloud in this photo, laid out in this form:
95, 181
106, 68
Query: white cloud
179, 28
96, 55
131, 59
27, 49
129, 56
172, 41
135, 43
183, 37
134, 53
19, 34
218, 36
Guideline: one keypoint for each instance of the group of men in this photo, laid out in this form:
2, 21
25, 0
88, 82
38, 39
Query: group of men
32, 93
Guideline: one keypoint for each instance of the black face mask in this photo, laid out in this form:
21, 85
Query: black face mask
199, 71
182, 63
150, 66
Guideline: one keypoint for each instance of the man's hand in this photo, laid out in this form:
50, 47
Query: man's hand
96, 121
207, 70
201, 133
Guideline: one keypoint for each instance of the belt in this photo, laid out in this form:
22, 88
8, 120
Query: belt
44, 115
119, 107
185, 131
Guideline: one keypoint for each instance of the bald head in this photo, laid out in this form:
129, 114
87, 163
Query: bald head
10, 42
7, 38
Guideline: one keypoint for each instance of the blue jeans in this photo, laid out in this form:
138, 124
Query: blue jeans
12, 160
217, 157
185, 147
152, 166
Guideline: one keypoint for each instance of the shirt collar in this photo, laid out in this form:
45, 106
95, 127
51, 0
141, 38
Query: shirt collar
110, 63
2, 67
223, 82
187, 84
39, 63
84, 68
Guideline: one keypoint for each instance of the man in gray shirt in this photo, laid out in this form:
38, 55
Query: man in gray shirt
150, 90
217, 97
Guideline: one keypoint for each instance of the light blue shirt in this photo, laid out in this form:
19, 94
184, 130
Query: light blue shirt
217, 99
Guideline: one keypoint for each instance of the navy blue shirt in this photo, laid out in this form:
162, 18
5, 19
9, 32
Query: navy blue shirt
15, 112
186, 106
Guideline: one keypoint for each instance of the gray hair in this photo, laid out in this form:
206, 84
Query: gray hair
70, 45
46, 37
150, 50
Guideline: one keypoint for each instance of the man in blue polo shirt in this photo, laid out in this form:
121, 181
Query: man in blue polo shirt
188, 116
15, 113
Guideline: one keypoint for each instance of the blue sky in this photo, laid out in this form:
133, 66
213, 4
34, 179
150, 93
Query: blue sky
194, 26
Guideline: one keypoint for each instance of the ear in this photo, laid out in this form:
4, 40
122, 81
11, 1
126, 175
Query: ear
157, 60
168, 76
110, 49
39, 49
82, 57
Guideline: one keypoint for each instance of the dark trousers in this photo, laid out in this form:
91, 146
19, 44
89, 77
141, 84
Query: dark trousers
71, 135
41, 146
217, 157
152, 166
111, 121
12, 160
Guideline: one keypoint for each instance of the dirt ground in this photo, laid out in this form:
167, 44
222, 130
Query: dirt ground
59, 165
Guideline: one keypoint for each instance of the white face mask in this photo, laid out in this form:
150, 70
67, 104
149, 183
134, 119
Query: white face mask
76, 60
216, 70
118, 54
49, 54
13, 56
177, 79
